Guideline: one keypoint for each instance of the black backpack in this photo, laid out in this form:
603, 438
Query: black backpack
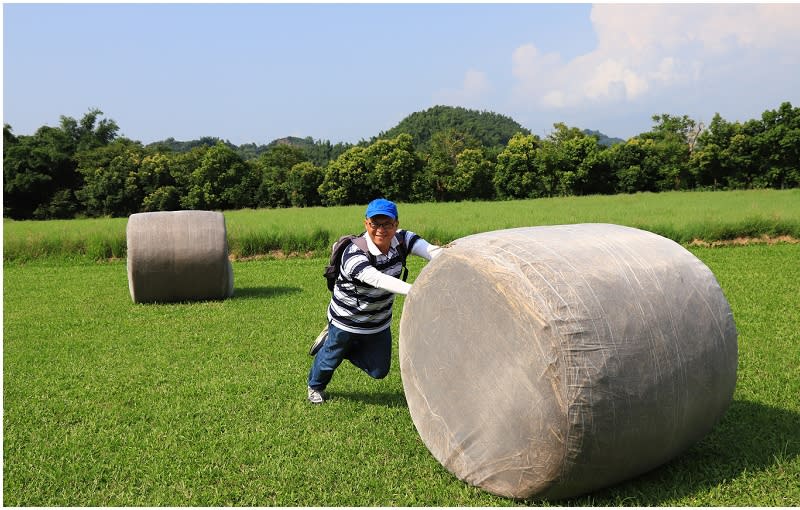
331, 272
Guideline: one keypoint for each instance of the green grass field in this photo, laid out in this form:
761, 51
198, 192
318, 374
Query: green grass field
681, 217
109, 403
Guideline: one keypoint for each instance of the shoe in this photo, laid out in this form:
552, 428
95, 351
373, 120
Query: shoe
316, 396
317, 345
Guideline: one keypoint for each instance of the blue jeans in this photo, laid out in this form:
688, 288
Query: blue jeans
371, 353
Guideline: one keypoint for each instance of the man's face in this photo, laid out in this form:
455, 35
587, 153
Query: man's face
381, 229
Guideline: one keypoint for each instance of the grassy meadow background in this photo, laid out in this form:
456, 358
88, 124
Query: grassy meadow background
109, 403
680, 216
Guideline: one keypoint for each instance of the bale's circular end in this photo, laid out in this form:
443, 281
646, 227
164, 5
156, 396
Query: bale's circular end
552, 361
178, 256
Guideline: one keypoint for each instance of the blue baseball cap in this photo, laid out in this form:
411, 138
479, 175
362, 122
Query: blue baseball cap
382, 206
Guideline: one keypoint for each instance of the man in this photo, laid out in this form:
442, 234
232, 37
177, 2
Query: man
360, 310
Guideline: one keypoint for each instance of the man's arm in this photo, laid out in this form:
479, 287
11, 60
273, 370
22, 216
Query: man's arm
424, 249
372, 276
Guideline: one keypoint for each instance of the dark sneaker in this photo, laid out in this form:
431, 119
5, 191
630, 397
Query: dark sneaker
317, 345
316, 396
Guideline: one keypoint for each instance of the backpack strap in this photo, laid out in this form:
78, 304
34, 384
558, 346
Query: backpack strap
413, 242
333, 269
361, 243
403, 251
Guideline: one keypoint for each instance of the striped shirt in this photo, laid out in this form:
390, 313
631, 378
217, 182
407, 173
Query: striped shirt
358, 307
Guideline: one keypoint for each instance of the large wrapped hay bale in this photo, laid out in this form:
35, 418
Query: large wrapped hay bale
178, 256
547, 362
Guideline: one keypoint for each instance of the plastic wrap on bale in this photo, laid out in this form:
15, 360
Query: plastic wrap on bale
178, 256
548, 362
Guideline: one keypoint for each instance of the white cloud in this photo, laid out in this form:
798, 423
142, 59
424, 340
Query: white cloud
644, 49
473, 90
613, 75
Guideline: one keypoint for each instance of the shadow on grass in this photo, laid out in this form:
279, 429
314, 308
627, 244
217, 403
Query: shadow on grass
263, 292
750, 437
394, 399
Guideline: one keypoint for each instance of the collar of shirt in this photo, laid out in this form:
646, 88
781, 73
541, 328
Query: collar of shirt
374, 250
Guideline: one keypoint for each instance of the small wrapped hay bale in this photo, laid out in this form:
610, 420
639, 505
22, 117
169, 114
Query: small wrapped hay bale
178, 256
547, 362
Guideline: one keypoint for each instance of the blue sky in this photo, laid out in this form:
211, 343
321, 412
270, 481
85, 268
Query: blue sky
345, 72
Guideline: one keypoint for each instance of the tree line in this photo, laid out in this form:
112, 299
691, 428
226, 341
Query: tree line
83, 168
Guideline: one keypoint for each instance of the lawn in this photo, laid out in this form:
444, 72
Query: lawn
109, 403
680, 216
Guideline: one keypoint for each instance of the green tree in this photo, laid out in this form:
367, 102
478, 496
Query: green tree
555, 164
182, 166
516, 174
636, 164
674, 140
157, 183
594, 175
222, 181
347, 179
472, 178
444, 149
778, 146
302, 184
164, 198
111, 184
271, 169
570, 163
710, 160
8, 136
732, 155
321, 152
39, 175
392, 165
386, 168
89, 132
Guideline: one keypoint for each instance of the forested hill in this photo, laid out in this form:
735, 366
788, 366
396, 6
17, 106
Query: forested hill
488, 128
603, 139
173, 145
318, 152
